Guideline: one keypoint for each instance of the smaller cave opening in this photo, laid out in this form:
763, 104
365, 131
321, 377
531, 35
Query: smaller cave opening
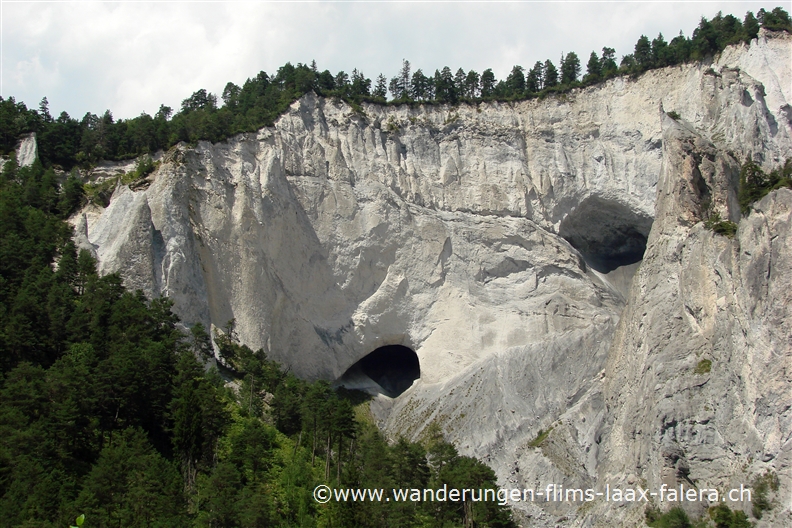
391, 368
608, 234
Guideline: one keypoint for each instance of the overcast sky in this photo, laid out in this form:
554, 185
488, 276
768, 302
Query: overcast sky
131, 56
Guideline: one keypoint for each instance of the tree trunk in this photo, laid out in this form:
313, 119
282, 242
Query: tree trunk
313, 451
338, 469
327, 459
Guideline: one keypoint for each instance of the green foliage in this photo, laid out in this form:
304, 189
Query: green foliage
65, 141
100, 193
775, 20
703, 366
673, 115
145, 166
724, 517
755, 184
722, 227
762, 486
106, 410
673, 518
540, 438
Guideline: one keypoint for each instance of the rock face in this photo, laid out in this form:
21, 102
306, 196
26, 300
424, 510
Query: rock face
26, 151
697, 381
499, 242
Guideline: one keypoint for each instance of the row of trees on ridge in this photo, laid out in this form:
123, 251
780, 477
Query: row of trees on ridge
66, 142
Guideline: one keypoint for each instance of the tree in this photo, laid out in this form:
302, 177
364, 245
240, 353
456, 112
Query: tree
487, 83
200, 100
705, 40
343, 427
679, 49
609, 66
550, 74
570, 68
593, 68
472, 81
750, 27
659, 52
361, 86
400, 85
44, 110
445, 91
381, 88
628, 64
533, 81
775, 20
459, 82
230, 94
325, 81
420, 86
515, 82
643, 53
311, 408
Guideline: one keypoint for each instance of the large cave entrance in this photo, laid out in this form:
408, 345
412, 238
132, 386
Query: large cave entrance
388, 370
607, 233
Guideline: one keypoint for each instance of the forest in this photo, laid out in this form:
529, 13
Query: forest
66, 142
107, 411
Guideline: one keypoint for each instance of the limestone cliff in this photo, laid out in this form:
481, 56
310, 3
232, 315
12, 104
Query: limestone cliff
499, 241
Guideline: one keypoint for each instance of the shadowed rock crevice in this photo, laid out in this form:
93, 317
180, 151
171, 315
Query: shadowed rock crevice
607, 233
388, 370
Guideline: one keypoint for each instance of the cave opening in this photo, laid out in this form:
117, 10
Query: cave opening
388, 370
607, 233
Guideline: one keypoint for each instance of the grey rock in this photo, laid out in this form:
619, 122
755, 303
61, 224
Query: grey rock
502, 243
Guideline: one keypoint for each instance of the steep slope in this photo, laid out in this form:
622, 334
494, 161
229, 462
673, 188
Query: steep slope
698, 380
450, 230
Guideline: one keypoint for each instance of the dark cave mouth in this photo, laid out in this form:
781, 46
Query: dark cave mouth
607, 233
393, 368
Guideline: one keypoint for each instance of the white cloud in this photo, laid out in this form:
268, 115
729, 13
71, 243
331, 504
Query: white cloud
130, 56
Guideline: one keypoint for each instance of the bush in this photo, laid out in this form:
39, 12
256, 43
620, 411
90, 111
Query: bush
540, 438
762, 486
755, 184
703, 366
726, 518
722, 227
673, 518
673, 115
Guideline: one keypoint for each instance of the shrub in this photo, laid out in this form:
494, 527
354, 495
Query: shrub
673, 115
722, 227
540, 438
673, 518
755, 184
762, 485
703, 366
726, 518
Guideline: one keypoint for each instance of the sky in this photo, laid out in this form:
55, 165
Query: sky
132, 56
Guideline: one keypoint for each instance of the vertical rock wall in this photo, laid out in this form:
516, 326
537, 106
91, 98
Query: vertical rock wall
447, 229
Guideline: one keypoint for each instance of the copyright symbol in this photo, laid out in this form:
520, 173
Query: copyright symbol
322, 494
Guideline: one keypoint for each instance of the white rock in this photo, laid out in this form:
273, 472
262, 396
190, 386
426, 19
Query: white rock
327, 236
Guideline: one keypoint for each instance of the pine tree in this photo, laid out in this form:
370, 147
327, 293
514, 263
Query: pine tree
534, 79
381, 88
550, 74
515, 82
593, 68
487, 83
570, 68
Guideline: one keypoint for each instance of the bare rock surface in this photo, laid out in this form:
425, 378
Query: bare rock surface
499, 241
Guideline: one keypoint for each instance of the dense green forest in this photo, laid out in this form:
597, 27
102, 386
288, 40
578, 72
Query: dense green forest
65, 141
106, 409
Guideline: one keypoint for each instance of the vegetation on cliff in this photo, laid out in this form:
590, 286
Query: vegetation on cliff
66, 141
